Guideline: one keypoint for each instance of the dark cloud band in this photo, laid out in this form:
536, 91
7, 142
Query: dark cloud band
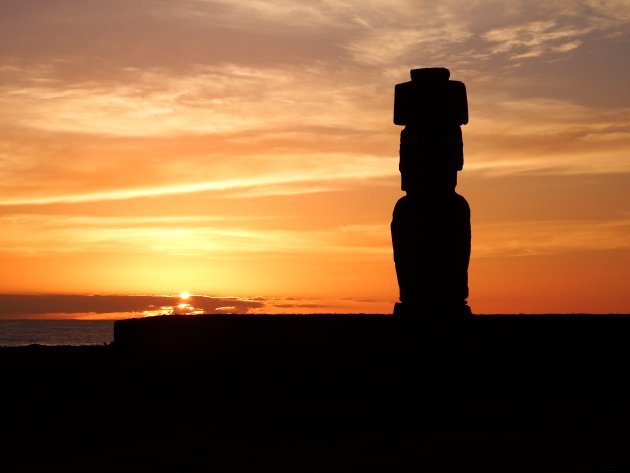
14, 305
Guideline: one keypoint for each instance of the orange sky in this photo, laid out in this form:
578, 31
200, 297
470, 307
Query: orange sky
246, 149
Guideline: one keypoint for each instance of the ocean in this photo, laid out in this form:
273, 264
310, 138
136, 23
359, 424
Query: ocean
15, 333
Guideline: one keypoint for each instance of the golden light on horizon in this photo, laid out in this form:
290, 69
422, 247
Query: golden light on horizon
184, 295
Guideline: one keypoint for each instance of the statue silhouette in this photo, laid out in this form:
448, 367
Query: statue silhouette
430, 226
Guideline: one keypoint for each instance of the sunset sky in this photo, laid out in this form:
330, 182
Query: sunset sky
244, 150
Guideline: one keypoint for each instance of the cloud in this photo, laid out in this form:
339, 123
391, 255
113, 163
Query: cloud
190, 236
241, 122
243, 126
323, 305
125, 306
550, 237
534, 39
16, 305
301, 171
132, 33
393, 45
547, 135
259, 33
151, 102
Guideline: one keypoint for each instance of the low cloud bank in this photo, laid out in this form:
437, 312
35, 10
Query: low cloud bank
29, 305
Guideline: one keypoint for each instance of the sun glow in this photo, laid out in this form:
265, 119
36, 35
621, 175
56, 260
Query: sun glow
184, 295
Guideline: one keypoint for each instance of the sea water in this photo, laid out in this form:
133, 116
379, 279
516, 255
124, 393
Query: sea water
14, 333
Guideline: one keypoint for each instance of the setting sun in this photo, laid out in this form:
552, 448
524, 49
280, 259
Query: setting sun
184, 295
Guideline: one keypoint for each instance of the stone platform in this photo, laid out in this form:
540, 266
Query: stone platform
326, 393
568, 354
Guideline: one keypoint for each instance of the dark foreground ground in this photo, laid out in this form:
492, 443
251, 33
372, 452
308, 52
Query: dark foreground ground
325, 393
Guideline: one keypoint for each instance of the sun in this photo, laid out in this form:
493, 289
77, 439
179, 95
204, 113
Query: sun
184, 295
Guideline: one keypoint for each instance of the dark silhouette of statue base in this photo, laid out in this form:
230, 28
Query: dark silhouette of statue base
431, 239
430, 227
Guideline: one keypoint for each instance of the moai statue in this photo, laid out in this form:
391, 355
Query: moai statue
431, 224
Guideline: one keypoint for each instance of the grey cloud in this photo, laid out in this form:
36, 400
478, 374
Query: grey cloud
12, 305
89, 39
301, 306
534, 39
